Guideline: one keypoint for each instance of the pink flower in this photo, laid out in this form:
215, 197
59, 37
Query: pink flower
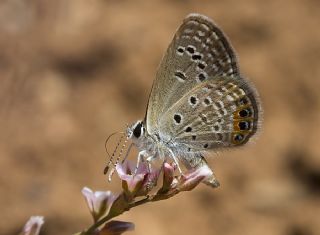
99, 202
127, 174
193, 178
168, 177
137, 182
32, 227
116, 228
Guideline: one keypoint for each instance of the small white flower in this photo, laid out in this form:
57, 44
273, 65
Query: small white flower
32, 227
99, 202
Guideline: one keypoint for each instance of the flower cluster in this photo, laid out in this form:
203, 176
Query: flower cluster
137, 182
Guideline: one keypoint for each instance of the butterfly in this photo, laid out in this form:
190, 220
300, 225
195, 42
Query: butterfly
199, 101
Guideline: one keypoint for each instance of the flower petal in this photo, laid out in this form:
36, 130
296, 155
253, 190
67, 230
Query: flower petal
32, 227
99, 202
192, 179
142, 168
168, 174
149, 182
132, 181
89, 197
122, 170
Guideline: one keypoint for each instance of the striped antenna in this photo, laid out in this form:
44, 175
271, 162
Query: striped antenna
121, 152
118, 158
106, 169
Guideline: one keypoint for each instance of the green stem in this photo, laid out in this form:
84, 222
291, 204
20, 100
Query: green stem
95, 226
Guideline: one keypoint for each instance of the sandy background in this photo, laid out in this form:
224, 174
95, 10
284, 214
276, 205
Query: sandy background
72, 72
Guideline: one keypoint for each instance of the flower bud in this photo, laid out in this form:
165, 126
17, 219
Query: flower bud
116, 228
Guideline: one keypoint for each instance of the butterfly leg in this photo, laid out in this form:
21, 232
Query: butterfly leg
144, 156
175, 160
141, 157
150, 159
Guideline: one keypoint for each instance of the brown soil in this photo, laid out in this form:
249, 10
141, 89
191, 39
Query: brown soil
72, 72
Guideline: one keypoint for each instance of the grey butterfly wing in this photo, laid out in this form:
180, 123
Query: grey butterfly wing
220, 112
198, 52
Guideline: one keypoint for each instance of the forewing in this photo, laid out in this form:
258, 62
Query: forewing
221, 112
198, 52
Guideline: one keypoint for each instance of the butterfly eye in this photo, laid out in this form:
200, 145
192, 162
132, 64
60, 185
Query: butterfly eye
138, 130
